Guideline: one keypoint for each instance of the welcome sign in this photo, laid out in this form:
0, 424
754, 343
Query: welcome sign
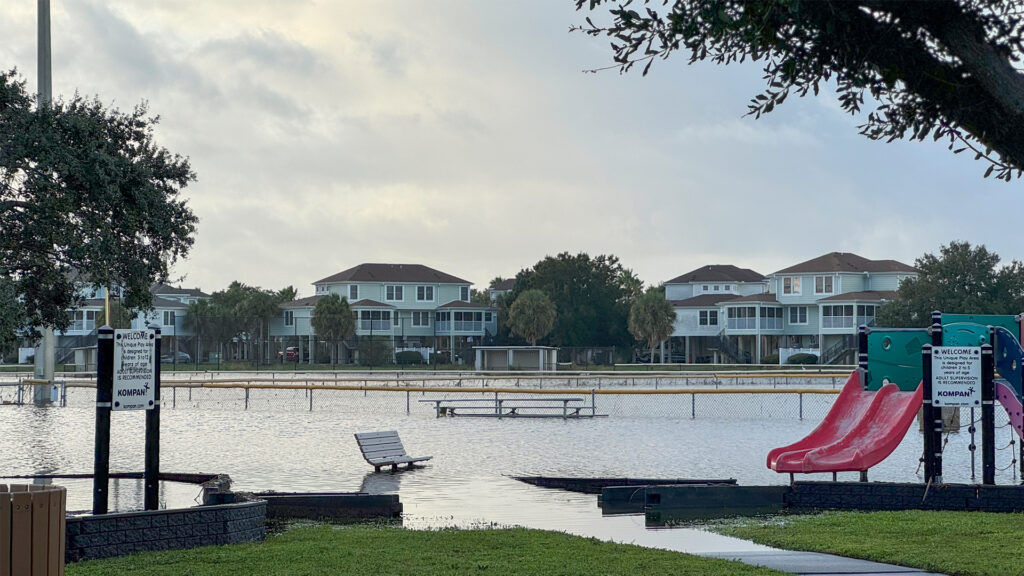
956, 376
134, 369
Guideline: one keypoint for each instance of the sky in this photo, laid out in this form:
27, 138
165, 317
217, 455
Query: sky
466, 136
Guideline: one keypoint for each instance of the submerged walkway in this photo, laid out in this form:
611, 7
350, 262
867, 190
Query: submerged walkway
816, 564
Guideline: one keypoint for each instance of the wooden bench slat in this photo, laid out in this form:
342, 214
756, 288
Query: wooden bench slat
377, 441
367, 435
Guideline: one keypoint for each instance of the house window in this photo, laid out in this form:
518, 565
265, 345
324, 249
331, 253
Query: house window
420, 318
464, 293
798, 315
169, 318
442, 316
708, 318
82, 320
289, 318
840, 316
396, 319
374, 319
353, 293
425, 293
716, 287
393, 293
705, 287
823, 284
727, 287
487, 316
791, 285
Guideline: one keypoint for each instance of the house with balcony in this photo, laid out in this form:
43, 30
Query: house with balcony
824, 300
703, 301
412, 306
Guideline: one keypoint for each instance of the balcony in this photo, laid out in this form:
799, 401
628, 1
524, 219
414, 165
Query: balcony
375, 325
742, 324
837, 322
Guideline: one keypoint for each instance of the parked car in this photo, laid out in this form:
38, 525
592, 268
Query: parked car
290, 354
180, 358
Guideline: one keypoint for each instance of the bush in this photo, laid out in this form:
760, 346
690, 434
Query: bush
408, 357
802, 359
439, 358
770, 359
375, 352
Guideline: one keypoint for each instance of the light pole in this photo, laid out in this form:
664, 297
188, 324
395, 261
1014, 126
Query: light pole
46, 356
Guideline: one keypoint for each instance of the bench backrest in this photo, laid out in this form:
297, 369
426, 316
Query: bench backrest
376, 445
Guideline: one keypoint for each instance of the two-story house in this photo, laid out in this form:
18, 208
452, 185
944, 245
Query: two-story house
699, 297
412, 305
826, 299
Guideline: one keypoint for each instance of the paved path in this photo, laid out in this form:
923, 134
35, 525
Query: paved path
816, 564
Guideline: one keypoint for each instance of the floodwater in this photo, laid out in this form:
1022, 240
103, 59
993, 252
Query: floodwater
279, 444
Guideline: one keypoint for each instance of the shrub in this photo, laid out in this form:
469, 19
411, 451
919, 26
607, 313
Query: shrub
770, 359
803, 359
439, 358
408, 357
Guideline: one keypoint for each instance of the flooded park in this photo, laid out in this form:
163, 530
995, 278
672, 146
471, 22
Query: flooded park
300, 439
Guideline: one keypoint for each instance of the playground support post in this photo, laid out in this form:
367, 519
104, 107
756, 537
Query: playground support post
988, 414
862, 355
932, 418
151, 472
104, 399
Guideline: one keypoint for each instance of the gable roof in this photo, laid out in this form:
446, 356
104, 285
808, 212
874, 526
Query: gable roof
392, 273
766, 297
718, 273
867, 295
302, 302
464, 304
846, 262
367, 303
160, 288
702, 301
506, 284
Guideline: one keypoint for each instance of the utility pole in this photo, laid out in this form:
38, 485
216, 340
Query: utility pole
46, 353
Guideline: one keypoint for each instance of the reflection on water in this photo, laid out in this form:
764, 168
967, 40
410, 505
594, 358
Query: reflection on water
280, 446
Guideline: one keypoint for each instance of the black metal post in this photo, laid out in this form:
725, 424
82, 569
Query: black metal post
988, 414
932, 417
104, 397
151, 473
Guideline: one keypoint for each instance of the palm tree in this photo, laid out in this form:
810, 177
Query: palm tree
532, 316
333, 321
652, 319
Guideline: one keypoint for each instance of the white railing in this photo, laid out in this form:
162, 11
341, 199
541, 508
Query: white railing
375, 325
771, 323
742, 324
837, 322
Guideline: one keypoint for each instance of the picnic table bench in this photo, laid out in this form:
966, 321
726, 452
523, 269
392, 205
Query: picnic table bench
544, 407
385, 449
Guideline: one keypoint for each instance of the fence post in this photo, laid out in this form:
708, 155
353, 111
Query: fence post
932, 428
693, 405
246, 398
311, 399
801, 395
406, 401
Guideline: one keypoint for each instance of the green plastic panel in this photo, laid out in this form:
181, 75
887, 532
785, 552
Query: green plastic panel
1008, 322
895, 356
965, 334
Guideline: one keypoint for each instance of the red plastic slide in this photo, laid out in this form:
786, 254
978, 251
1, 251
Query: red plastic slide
861, 429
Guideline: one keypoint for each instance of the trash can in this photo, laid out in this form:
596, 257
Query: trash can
32, 526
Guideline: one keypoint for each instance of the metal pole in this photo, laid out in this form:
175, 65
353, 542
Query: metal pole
152, 467
932, 429
862, 357
104, 398
988, 415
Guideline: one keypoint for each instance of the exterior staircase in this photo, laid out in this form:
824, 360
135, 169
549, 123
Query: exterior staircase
729, 349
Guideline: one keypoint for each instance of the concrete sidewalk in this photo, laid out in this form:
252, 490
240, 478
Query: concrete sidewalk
816, 564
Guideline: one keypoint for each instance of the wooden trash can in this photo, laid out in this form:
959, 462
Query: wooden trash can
32, 527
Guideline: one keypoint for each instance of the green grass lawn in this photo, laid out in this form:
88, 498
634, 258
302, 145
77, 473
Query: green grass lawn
370, 550
962, 543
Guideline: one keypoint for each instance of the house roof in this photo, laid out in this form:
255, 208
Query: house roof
308, 301
702, 301
463, 304
766, 297
367, 303
159, 302
718, 273
867, 295
167, 289
392, 273
506, 284
846, 262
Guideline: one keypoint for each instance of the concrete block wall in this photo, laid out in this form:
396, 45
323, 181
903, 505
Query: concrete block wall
892, 496
124, 533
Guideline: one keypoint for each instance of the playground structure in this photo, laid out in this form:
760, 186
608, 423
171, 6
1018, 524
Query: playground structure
894, 381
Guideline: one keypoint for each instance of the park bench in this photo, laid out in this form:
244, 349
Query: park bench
545, 407
385, 449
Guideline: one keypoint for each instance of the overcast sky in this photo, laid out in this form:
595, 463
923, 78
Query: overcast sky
464, 135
